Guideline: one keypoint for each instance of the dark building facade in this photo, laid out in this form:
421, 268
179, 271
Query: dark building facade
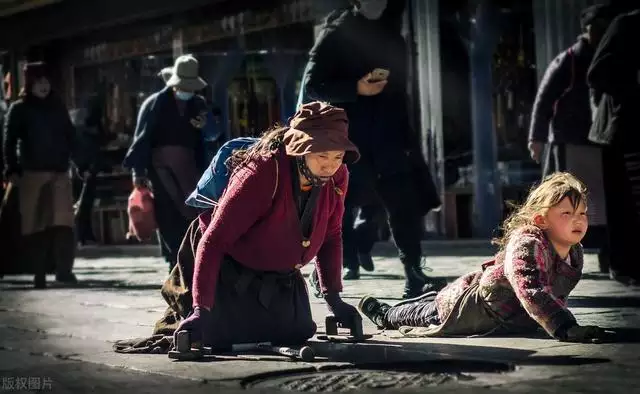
252, 54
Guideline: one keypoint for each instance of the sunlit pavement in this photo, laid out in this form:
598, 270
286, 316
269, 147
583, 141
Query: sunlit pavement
60, 339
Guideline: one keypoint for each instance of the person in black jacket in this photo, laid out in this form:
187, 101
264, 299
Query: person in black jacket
561, 118
168, 151
561, 113
38, 143
95, 136
614, 76
355, 47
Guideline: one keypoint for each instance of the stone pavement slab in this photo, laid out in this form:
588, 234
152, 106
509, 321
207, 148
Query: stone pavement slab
66, 334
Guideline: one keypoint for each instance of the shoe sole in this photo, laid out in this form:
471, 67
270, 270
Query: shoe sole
363, 300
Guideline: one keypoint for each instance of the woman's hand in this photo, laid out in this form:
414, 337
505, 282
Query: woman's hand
345, 314
198, 323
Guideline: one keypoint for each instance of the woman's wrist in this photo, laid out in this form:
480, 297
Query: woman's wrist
332, 297
202, 308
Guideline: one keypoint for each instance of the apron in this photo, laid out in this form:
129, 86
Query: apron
46, 200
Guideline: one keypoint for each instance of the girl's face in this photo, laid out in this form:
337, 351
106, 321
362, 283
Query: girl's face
564, 224
324, 164
41, 88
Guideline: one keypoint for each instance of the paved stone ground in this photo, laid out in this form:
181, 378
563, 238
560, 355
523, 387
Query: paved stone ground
60, 339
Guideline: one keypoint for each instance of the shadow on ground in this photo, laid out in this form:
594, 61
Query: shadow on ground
482, 252
624, 335
388, 354
604, 302
595, 276
114, 285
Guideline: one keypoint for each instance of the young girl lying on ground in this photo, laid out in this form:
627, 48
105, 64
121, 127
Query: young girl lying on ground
523, 288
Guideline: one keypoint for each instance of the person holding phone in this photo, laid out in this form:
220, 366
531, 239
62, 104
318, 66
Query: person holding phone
359, 63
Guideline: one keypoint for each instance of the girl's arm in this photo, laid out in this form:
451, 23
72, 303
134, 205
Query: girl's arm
526, 266
329, 259
247, 197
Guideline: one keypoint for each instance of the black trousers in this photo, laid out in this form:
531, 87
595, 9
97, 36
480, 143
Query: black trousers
360, 229
399, 198
622, 174
172, 224
84, 211
422, 313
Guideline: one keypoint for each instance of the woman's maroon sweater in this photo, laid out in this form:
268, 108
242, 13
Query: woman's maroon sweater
261, 230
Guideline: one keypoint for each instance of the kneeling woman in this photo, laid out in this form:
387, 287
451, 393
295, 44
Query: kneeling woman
282, 207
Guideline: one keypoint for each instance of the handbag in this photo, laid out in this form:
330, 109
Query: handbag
142, 222
601, 131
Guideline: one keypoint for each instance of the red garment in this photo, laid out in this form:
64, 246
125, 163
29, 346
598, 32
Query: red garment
263, 233
142, 219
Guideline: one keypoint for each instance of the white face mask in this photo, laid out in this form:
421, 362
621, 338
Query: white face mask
372, 9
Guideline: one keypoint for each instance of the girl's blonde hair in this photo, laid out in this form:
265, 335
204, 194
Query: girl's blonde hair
550, 192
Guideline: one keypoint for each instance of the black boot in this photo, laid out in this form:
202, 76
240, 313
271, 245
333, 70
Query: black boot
63, 252
366, 261
603, 261
34, 252
351, 274
417, 283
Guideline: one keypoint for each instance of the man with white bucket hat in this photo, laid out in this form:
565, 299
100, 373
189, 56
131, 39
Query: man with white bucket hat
167, 153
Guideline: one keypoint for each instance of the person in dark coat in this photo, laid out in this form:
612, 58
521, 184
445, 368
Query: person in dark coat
168, 151
614, 76
352, 44
38, 144
95, 136
561, 118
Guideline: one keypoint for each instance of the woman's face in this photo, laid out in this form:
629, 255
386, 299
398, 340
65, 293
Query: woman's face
41, 88
324, 164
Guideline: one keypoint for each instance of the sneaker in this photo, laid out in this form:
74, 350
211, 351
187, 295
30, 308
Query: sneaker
374, 310
366, 261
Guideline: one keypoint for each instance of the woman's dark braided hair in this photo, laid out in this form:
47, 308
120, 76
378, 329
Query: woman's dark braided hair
268, 145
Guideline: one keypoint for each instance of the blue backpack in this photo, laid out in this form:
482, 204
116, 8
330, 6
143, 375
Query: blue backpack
216, 177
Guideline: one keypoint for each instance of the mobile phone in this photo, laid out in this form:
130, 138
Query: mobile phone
379, 74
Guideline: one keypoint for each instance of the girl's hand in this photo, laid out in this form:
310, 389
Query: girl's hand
587, 334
